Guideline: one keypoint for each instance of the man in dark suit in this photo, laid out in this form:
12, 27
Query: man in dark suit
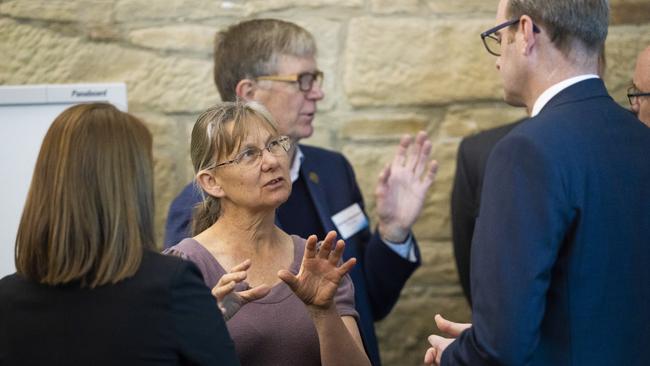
473, 153
560, 257
273, 62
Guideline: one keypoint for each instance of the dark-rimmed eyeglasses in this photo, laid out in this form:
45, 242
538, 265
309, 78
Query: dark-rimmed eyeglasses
252, 155
633, 94
492, 42
305, 80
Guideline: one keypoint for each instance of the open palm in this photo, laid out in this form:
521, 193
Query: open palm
320, 274
402, 187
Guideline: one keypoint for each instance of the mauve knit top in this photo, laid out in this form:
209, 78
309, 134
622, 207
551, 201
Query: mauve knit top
277, 329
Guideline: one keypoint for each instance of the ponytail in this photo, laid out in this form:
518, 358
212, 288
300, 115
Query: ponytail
205, 213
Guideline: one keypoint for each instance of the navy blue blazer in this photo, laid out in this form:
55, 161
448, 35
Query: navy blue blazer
560, 271
332, 186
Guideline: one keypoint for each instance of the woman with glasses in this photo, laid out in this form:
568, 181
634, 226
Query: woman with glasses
90, 288
288, 301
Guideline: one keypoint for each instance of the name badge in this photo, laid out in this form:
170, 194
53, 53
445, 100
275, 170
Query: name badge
350, 221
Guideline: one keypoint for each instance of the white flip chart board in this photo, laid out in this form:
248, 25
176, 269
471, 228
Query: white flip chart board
26, 112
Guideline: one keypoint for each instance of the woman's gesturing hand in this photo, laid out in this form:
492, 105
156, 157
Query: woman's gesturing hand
230, 301
320, 274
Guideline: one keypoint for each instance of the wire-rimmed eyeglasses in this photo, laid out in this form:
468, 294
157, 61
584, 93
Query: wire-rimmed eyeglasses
252, 155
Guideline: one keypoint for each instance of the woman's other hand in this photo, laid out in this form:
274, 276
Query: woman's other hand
229, 300
320, 274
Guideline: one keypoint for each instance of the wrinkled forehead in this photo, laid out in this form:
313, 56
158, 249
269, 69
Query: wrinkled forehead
251, 130
291, 64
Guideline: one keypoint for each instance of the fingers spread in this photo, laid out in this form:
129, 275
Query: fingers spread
400, 156
433, 167
413, 156
331, 236
347, 266
336, 255
310, 247
422, 158
383, 175
421, 138
327, 245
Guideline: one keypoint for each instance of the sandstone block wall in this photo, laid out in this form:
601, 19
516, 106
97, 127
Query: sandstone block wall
391, 66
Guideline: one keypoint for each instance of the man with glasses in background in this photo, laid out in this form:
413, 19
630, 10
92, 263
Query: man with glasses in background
639, 93
273, 62
560, 260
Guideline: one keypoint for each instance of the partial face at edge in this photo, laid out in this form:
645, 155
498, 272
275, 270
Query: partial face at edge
509, 64
641, 80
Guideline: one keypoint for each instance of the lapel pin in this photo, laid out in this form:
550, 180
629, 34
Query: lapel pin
313, 177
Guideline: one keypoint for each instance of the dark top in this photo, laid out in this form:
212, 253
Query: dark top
164, 315
276, 329
472, 158
380, 273
561, 250
299, 204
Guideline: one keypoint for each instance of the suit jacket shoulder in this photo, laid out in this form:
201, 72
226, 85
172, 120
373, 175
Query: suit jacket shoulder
322, 159
563, 207
164, 314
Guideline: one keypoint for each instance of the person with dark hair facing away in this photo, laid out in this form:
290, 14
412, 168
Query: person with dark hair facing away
273, 62
560, 261
287, 300
90, 288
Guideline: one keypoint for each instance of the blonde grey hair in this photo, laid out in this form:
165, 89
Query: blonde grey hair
213, 140
252, 48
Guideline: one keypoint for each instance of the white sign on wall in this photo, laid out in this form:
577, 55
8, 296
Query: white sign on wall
26, 112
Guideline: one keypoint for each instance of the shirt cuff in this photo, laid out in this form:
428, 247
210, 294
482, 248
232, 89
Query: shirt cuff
405, 250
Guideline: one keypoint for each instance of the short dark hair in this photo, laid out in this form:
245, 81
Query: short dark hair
567, 21
251, 48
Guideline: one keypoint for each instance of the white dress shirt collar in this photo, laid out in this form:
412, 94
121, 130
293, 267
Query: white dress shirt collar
294, 173
554, 90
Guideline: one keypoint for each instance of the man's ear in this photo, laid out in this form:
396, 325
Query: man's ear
526, 27
246, 89
210, 184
